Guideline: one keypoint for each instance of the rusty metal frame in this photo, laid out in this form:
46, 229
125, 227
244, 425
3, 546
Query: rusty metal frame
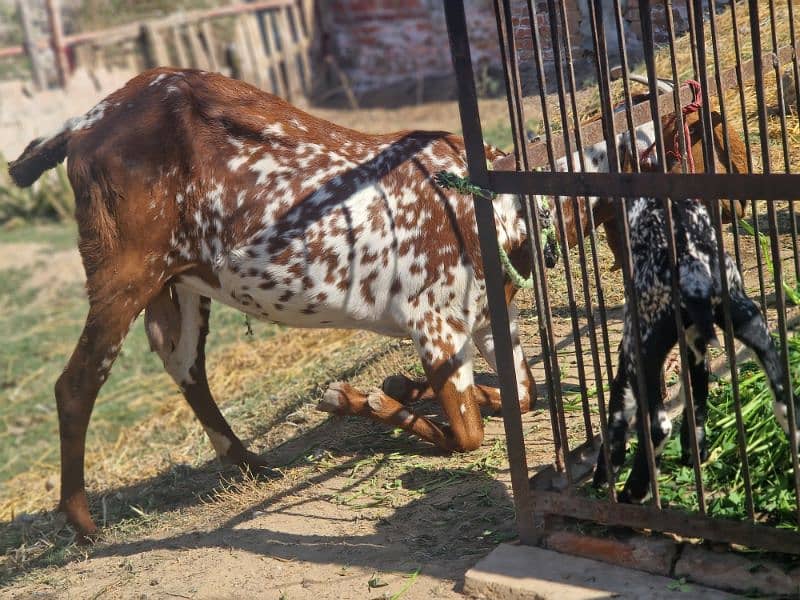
552, 491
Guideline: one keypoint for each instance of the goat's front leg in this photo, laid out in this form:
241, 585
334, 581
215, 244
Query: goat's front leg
638, 483
448, 366
750, 328
407, 391
176, 322
621, 416
698, 374
526, 385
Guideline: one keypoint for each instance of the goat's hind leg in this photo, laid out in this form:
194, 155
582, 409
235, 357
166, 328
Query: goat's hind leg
114, 303
526, 384
177, 326
698, 374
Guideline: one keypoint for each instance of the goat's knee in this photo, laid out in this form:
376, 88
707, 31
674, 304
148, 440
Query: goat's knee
468, 440
464, 416
661, 429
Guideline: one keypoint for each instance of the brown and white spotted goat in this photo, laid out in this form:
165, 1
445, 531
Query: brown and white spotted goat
190, 186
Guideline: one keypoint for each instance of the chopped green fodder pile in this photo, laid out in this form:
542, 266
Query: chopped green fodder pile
768, 454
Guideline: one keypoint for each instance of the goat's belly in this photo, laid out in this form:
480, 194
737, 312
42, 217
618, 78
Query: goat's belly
315, 306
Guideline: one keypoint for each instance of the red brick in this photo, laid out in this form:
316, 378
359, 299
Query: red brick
651, 554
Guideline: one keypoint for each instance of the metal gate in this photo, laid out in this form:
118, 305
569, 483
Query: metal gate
767, 186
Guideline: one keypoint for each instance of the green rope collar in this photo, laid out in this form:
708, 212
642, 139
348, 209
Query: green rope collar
463, 185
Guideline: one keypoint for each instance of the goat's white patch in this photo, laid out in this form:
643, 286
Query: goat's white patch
179, 361
157, 79
221, 443
405, 417
629, 406
782, 415
275, 129
87, 120
665, 425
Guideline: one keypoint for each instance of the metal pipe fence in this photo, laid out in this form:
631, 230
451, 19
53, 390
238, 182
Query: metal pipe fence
720, 119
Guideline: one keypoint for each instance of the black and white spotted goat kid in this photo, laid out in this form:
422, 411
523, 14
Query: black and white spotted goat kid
701, 307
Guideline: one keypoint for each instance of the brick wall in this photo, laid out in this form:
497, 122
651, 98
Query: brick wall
379, 43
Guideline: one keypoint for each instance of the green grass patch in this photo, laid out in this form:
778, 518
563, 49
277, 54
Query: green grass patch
56, 235
768, 453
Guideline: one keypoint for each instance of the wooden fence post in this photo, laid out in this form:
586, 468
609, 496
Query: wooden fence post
211, 45
57, 40
289, 52
155, 49
29, 36
241, 59
272, 56
303, 46
180, 49
199, 57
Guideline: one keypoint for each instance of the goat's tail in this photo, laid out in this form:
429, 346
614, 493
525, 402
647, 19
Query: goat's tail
40, 155
701, 313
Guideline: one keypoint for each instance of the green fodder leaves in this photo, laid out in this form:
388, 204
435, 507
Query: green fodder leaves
768, 453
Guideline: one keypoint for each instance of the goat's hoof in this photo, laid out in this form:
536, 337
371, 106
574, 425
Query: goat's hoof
331, 401
686, 457
405, 390
398, 387
86, 531
599, 477
627, 497
256, 466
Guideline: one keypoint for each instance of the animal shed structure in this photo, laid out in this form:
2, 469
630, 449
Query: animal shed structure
664, 184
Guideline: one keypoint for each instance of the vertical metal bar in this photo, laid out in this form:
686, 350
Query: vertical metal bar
587, 299
484, 215
595, 11
57, 40
782, 114
780, 301
779, 83
693, 38
557, 402
712, 19
672, 253
796, 74
531, 215
626, 86
710, 167
573, 308
676, 93
762, 287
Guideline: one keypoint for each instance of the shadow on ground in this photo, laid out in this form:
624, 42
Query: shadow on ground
443, 508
